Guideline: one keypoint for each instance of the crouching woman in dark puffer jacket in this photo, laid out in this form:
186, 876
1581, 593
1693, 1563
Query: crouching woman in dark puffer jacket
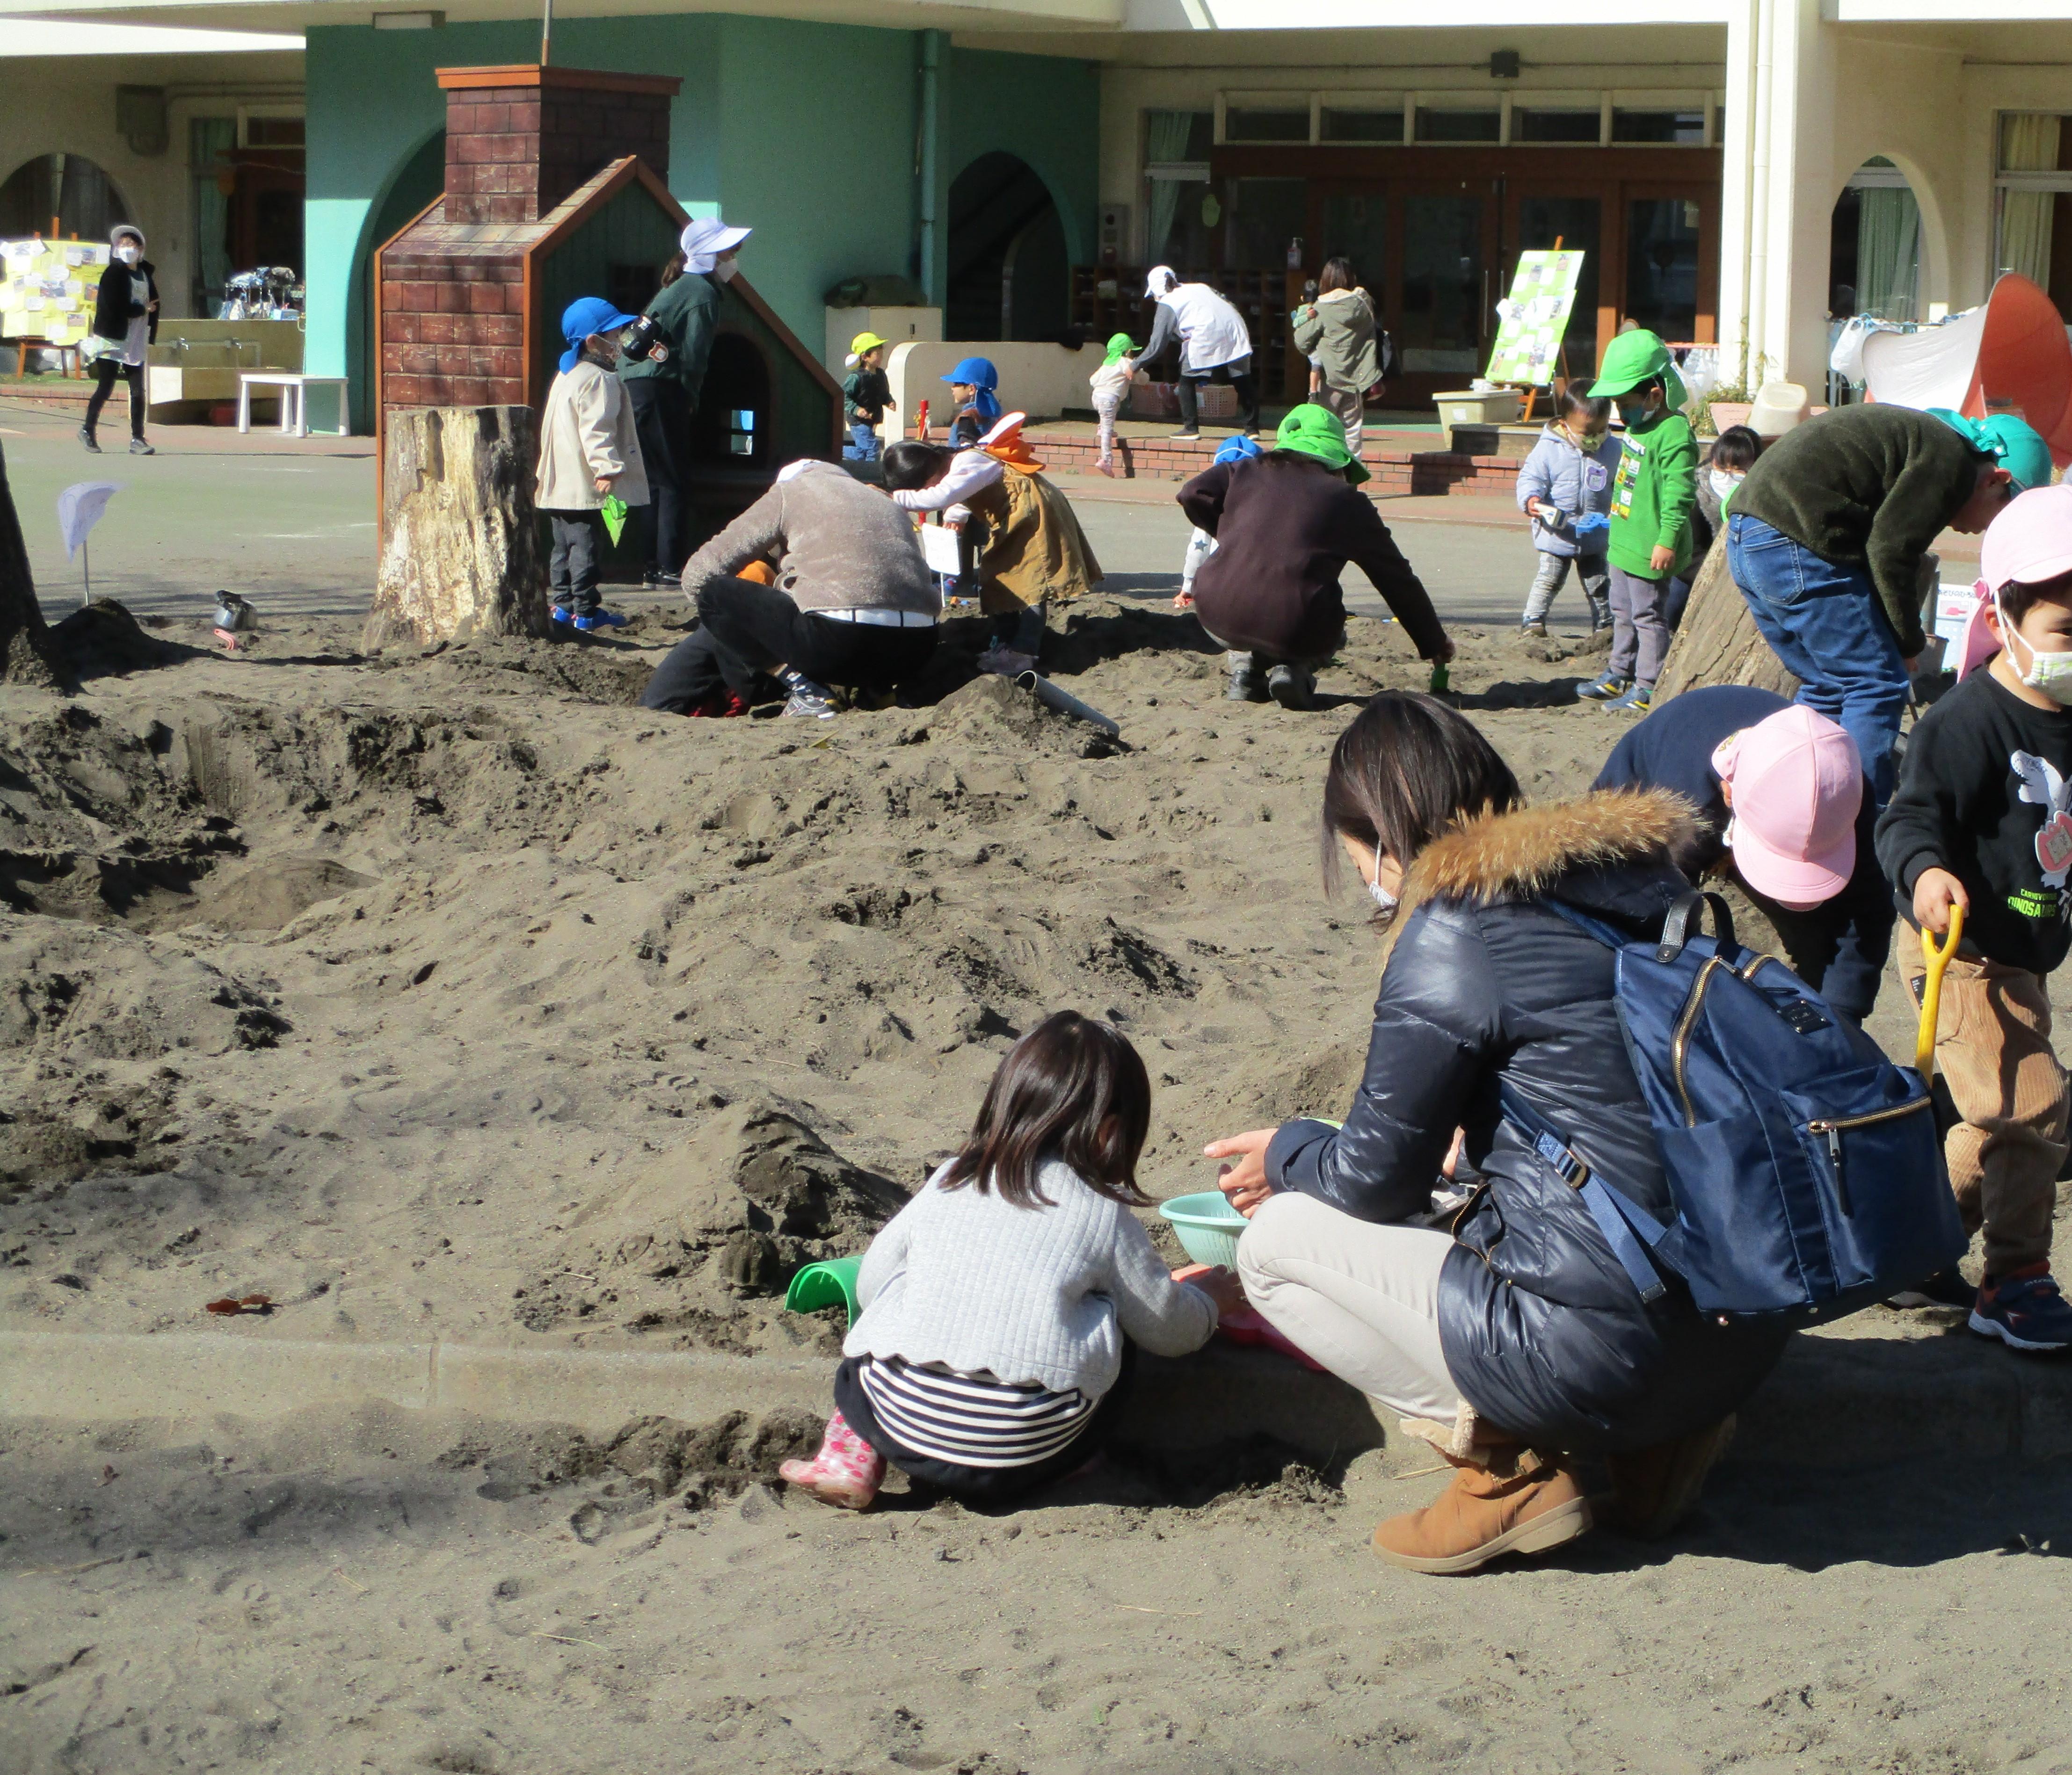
1514, 1342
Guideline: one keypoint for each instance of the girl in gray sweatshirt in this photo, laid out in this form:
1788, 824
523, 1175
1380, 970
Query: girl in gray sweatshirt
999, 1306
1569, 477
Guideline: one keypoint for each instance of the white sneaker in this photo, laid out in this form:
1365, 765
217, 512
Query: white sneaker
810, 699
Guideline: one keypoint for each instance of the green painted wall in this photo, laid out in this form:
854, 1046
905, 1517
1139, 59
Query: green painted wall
804, 132
1045, 108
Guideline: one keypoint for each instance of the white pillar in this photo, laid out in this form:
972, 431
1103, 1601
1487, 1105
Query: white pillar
1793, 196
1737, 158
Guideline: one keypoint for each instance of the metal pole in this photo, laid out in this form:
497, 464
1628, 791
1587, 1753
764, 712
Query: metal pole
546, 30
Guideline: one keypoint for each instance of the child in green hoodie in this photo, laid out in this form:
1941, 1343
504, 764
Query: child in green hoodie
1653, 490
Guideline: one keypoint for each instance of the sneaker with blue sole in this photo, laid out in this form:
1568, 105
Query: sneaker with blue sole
1634, 702
563, 615
1603, 689
2025, 1310
599, 619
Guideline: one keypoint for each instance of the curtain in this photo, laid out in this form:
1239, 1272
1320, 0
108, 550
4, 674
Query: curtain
211, 142
1888, 253
1167, 141
2028, 144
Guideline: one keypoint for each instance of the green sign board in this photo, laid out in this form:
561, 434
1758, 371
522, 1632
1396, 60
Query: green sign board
1532, 319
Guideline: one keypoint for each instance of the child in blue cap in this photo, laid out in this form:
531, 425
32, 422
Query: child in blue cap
974, 385
589, 452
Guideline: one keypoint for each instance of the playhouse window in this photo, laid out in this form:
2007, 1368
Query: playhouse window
741, 435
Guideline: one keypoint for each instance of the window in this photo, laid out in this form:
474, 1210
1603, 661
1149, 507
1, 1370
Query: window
1537, 123
1179, 228
1684, 127
1662, 265
1574, 221
1439, 329
273, 132
1260, 123
1266, 214
1435, 125
1364, 124
2034, 190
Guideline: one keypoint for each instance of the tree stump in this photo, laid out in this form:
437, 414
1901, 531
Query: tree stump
460, 542
1718, 642
25, 646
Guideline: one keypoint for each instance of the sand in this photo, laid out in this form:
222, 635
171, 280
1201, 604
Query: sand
449, 996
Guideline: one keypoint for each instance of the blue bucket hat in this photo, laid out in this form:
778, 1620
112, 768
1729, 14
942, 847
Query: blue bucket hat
980, 374
586, 315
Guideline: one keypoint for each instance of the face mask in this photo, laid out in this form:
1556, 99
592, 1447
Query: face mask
1381, 897
2050, 673
128, 255
1723, 482
723, 272
1634, 412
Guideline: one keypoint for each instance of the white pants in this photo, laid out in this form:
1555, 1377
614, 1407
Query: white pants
1200, 546
1363, 1300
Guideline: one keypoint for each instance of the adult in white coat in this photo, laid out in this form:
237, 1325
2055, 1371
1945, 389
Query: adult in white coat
1215, 346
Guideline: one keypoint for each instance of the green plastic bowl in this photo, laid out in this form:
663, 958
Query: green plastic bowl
1207, 1225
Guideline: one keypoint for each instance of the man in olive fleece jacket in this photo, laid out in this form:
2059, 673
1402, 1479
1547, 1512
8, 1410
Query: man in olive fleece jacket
1825, 538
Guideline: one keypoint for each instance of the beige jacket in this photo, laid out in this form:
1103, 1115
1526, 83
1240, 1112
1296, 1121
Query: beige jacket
586, 431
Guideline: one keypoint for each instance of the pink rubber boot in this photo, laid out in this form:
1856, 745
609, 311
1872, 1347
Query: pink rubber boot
847, 1472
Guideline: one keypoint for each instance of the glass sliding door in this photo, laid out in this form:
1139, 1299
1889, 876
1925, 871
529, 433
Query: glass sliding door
1662, 264
1538, 222
1442, 307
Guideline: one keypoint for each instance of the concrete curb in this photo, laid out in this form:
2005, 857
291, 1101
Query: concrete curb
1833, 1401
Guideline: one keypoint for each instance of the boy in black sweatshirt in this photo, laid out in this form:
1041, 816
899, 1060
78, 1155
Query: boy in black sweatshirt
1982, 820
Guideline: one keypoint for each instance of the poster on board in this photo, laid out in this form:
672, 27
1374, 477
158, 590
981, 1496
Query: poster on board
1531, 321
48, 288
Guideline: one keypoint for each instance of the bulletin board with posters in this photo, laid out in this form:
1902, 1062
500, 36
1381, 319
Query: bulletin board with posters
1534, 318
47, 289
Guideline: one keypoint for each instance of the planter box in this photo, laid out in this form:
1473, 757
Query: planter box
1470, 408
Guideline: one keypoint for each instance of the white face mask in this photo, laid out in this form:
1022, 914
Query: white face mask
1381, 897
128, 254
1723, 482
723, 271
2050, 673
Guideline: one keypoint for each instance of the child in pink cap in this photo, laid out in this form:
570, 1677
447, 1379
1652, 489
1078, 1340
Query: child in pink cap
1783, 808
1982, 820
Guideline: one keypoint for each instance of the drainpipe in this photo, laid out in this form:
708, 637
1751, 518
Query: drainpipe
1737, 144
1758, 265
925, 167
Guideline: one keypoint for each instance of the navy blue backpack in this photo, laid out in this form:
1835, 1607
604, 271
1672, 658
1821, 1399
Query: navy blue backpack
1805, 1167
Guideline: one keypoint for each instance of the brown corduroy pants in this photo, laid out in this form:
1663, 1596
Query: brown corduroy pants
1993, 1049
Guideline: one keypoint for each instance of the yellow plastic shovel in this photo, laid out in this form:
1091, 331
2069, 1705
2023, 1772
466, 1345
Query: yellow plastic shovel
1937, 955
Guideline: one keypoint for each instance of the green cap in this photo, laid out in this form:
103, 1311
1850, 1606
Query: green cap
2011, 441
1120, 346
1318, 432
1638, 357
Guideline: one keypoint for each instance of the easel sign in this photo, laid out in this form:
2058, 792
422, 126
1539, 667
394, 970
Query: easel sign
1534, 318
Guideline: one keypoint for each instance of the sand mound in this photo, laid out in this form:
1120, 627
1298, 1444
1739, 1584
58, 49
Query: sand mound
728, 1217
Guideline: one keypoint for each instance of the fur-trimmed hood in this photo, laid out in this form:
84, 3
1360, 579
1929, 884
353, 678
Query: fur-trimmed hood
1528, 852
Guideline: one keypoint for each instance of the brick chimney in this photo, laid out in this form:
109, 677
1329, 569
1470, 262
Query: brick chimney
519, 140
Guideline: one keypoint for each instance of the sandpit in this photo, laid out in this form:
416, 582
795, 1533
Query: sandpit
449, 998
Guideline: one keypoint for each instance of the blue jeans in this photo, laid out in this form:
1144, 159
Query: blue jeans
862, 445
1826, 622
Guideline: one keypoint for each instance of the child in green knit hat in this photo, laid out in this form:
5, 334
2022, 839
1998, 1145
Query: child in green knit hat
1653, 490
1111, 383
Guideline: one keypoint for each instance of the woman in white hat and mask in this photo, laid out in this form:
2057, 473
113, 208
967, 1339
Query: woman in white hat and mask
664, 386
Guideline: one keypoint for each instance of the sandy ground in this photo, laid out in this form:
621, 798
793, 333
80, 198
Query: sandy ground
449, 996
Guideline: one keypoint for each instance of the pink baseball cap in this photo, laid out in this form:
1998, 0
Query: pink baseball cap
2031, 539
1798, 785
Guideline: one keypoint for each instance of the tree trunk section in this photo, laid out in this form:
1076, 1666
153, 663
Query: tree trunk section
1718, 642
25, 646
460, 542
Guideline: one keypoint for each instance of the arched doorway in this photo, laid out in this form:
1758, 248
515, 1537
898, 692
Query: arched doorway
1009, 266
1874, 247
60, 196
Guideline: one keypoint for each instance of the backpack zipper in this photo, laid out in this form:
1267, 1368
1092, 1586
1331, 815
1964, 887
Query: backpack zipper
1832, 1127
1680, 1046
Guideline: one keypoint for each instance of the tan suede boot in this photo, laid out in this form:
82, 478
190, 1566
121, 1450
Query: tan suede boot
1503, 1500
1654, 1489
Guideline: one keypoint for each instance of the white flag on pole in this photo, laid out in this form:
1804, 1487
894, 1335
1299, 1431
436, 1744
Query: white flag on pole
79, 507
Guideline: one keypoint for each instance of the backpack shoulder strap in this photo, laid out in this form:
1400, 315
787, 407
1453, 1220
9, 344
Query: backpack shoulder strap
1617, 1218
1677, 929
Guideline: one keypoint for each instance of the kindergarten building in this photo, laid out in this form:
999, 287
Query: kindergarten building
1736, 171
